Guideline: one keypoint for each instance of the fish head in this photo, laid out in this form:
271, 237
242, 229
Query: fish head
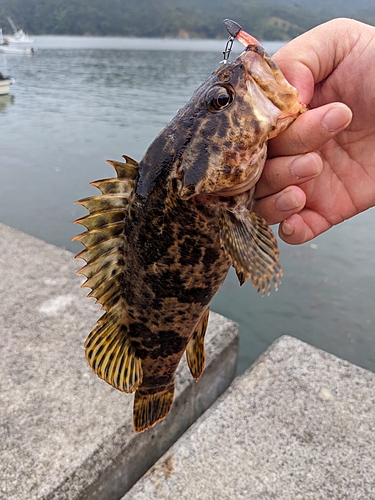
240, 107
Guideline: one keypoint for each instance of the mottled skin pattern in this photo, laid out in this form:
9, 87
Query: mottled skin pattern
154, 252
175, 249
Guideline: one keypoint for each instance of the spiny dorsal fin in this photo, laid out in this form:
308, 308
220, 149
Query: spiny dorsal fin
100, 219
195, 354
252, 246
150, 408
126, 170
113, 186
104, 239
101, 203
95, 235
108, 347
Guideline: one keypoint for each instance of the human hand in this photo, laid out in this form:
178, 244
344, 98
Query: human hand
332, 68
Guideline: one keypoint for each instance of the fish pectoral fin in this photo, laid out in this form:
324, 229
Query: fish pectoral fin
111, 356
252, 247
195, 354
150, 408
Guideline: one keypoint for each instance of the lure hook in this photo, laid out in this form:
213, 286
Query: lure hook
227, 50
233, 29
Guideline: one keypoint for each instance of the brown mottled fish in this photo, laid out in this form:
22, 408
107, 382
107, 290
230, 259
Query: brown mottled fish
163, 234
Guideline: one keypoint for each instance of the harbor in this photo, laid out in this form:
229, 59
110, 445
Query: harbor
284, 406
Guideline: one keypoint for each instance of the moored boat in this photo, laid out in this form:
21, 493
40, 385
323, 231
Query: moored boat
8, 49
5, 83
19, 37
7, 46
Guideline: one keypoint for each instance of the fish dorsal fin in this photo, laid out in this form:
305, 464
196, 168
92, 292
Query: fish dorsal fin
150, 408
195, 354
252, 247
108, 347
104, 239
111, 356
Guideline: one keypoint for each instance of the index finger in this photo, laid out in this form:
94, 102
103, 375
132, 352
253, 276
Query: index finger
311, 130
311, 57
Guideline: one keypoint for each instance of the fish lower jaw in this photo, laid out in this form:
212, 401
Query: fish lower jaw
241, 188
286, 118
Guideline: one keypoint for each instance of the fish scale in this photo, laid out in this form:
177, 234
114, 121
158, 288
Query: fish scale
163, 234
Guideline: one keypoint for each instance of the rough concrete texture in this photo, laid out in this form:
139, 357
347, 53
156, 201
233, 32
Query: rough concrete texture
300, 424
65, 434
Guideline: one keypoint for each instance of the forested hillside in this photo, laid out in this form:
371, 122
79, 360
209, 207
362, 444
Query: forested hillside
265, 19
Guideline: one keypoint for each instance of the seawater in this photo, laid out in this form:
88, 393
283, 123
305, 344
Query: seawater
80, 101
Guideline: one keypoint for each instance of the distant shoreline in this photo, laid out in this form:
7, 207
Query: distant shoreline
141, 43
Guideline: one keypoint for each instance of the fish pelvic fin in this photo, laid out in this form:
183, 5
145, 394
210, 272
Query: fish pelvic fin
150, 408
252, 247
111, 356
195, 354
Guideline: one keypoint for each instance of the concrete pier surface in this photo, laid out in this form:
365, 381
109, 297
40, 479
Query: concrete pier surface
298, 425
65, 434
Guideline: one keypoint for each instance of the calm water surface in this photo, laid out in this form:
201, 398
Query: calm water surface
80, 101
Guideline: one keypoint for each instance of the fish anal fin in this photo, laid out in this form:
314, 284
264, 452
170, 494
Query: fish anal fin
195, 354
150, 408
111, 356
252, 247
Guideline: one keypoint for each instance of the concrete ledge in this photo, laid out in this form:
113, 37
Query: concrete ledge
64, 434
300, 424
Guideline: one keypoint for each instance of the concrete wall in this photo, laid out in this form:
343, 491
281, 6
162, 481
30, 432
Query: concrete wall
65, 434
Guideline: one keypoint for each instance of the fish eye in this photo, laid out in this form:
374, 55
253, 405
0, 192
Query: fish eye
219, 98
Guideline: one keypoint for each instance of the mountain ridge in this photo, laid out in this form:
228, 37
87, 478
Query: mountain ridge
265, 19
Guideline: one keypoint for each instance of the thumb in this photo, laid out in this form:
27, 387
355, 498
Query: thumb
313, 56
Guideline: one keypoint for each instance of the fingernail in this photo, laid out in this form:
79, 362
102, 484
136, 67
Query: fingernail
287, 229
286, 201
305, 166
336, 118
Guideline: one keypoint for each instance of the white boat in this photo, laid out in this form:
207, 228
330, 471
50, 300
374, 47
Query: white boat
19, 37
7, 49
5, 83
13, 48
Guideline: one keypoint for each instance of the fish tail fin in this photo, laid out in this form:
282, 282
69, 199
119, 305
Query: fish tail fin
150, 408
195, 354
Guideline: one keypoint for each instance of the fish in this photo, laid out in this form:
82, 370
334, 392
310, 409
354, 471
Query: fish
163, 233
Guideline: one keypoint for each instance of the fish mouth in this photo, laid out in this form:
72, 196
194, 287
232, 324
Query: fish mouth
240, 188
